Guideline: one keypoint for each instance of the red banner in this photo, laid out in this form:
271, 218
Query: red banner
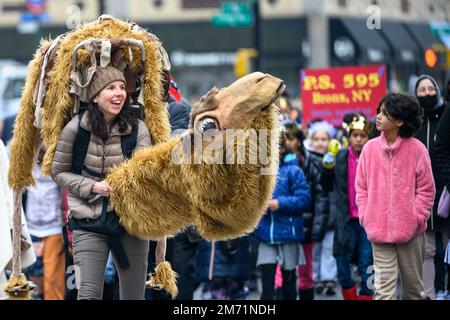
331, 93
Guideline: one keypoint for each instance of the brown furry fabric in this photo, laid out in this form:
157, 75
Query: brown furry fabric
24, 143
57, 105
164, 278
154, 196
149, 193
58, 102
228, 200
18, 288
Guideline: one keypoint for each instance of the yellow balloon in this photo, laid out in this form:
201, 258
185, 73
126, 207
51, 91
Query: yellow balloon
333, 147
328, 161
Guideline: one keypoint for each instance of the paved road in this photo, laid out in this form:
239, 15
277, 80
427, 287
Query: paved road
254, 295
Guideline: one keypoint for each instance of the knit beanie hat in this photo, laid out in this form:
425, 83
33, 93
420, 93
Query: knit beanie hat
102, 77
322, 126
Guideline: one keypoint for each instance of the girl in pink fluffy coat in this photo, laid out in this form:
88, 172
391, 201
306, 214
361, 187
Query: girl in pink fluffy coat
394, 194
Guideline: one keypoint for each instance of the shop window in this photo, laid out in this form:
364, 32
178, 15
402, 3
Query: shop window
342, 3
405, 6
200, 4
13, 89
158, 3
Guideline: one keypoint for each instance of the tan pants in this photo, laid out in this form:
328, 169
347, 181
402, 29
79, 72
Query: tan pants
54, 263
407, 258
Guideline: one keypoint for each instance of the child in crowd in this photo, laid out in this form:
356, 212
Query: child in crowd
43, 211
394, 194
281, 228
325, 270
350, 239
315, 218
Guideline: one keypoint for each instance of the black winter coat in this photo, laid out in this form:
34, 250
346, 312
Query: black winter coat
426, 135
335, 181
316, 219
442, 154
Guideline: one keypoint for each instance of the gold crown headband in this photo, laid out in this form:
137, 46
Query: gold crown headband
359, 123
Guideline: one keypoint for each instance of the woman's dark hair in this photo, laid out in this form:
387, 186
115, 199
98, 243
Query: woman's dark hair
293, 131
406, 108
127, 116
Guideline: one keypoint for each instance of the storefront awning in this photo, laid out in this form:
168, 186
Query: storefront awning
423, 36
372, 46
403, 45
284, 42
442, 30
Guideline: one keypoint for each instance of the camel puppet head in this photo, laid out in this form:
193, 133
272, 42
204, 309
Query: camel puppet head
156, 196
237, 105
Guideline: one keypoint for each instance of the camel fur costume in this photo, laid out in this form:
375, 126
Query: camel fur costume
154, 195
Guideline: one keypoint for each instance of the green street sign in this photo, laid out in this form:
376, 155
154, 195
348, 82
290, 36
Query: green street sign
233, 14
235, 8
440, 28
227, 20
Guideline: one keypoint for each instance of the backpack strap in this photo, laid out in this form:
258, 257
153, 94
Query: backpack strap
129, 142
80, 146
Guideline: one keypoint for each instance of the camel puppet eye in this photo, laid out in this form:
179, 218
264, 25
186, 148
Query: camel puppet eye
205, 124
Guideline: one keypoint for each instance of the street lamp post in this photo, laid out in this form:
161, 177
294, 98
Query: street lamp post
101, 7
257, 33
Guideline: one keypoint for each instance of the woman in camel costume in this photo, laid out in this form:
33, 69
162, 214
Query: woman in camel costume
160, 189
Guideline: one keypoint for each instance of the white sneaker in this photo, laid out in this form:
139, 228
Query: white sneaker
442, 295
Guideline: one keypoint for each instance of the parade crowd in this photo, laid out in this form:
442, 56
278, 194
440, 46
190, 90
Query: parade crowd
356, 210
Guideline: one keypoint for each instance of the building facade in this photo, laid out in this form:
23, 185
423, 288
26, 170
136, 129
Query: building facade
293, 34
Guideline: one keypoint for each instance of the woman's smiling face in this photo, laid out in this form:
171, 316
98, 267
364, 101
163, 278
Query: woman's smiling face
111, 99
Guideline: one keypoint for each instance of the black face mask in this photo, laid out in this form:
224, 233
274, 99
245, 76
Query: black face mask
427, 102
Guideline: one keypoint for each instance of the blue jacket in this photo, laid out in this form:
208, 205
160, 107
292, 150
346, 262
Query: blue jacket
294, 196
235, 265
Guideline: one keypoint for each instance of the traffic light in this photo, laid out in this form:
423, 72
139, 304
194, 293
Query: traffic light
448, 57
437, 57
430, 58
242, 64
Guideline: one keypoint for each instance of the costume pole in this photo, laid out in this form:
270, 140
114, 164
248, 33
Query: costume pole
18, 288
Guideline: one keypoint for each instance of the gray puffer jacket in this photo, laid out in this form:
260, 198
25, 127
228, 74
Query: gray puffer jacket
100, 157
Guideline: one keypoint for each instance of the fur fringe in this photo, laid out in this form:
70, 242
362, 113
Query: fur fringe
164, 278
150, 194
233, 201
18, 288
23, 146
58, 103
155, 197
